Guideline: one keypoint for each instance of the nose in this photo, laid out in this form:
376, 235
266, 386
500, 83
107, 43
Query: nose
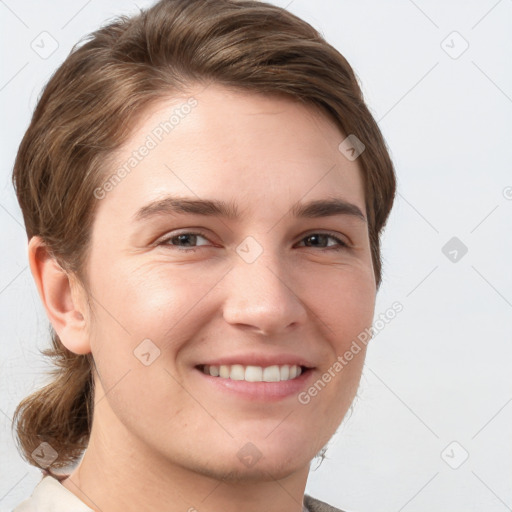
262, 297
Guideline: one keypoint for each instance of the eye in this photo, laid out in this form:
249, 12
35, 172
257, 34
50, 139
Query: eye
319, 239
188, 239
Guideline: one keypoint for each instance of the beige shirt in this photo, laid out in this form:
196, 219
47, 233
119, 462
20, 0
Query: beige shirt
50, 495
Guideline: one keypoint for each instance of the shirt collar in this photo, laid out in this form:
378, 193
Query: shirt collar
50, 495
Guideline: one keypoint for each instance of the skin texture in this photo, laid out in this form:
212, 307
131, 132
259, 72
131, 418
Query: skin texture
162, 437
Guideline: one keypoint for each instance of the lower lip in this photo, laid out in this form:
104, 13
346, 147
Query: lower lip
260, 391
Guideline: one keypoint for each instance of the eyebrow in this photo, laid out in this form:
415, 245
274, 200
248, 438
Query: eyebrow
170, 205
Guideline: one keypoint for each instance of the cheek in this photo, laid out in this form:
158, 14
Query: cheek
165, 302
142, 322
147, 310
344, 301
144, 300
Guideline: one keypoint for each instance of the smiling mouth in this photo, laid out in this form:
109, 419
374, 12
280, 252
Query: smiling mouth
274, 373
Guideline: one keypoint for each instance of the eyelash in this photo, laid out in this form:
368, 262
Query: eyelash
341, 244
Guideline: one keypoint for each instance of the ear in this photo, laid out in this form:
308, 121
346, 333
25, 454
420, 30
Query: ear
62, 297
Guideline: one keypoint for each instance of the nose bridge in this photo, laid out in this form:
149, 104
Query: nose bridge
260, 293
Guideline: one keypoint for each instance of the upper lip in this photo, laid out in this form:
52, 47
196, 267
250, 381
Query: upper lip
263, 360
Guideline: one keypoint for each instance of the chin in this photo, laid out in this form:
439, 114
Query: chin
264, 470
246, 461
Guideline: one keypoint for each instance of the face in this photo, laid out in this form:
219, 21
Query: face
209, 254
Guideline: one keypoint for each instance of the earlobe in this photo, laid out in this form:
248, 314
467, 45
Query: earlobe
61, 300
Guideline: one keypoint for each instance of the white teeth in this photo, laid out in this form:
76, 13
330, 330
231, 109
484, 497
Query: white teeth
273, 373
254, 374
237, 372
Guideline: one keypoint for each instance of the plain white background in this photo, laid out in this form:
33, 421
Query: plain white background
431, 424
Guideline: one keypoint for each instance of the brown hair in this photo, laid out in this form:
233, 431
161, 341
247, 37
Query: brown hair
91, 103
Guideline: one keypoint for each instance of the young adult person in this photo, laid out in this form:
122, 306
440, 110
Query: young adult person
203, 190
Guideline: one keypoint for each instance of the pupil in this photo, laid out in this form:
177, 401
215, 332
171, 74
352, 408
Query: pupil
183, 238
315, 237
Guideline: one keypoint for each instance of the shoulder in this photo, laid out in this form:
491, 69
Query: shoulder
315, 505
50, 495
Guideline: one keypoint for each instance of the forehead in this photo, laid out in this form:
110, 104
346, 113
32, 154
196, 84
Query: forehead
253, 150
